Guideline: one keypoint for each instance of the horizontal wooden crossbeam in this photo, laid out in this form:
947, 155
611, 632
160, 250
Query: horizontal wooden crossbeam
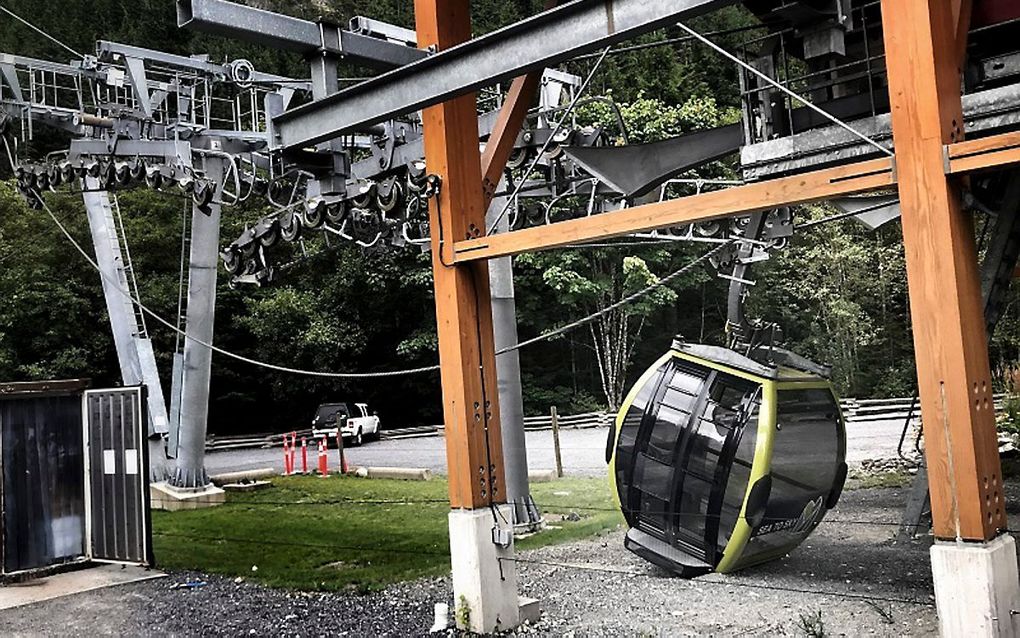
985, 153
964, 157
739, 200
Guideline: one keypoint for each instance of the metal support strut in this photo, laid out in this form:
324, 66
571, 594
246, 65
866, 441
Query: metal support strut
205, 240
134, 348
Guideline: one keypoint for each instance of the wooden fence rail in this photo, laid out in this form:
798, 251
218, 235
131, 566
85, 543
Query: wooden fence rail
856, 412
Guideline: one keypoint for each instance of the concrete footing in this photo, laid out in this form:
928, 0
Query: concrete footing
977, 588
530, 610
397, 473
542, 476
163, 496
484, 573
219, 480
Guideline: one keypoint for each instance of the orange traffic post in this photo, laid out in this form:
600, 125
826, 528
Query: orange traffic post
293, 452
323, 460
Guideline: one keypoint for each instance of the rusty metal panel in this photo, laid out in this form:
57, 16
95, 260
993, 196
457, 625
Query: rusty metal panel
42, 461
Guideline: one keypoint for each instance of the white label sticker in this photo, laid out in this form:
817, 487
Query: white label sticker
159, 421
109, 462
131, 461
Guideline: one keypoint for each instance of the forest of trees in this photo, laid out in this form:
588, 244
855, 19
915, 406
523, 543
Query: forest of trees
838, 291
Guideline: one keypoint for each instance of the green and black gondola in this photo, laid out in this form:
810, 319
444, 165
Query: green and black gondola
720, 462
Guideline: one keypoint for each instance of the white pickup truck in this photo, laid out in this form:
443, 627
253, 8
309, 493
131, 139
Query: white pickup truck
353, 419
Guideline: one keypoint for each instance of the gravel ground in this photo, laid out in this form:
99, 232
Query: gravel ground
843, 558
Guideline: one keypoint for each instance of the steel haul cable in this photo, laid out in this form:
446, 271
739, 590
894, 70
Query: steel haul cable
366, 375
39, 31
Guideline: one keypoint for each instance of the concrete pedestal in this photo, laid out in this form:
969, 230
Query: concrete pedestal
977, 587
163, 496
484, 587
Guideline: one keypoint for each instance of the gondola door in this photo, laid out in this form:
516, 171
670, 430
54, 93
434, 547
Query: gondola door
663, 427
704, 460
116, 476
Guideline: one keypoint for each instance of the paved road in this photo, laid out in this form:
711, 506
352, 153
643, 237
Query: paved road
583, 451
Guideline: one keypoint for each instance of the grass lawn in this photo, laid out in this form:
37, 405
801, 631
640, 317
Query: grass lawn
349, 533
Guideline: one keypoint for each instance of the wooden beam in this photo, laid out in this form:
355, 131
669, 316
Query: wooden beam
962, 12
970, 156
740, 200
504, 132
950, 345
467, 356
986, 153
508, 124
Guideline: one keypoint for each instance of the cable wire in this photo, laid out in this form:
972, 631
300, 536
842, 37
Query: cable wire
39, 31
839, 216
364, 375
548, 140
626, 300
832, 118
271, 366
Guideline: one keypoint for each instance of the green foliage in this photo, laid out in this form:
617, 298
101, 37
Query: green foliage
648, 119
812, 624
838, 291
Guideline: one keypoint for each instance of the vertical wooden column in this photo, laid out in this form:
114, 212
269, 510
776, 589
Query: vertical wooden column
942, 270
463, 308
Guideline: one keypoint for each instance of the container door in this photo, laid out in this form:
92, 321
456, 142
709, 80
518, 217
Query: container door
116, 474
42, 503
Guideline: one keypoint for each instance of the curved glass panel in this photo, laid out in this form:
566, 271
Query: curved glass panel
806, 457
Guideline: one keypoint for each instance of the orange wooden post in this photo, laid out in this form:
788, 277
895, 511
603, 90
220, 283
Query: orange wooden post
975, 584
484, 580
942, 270
508, 124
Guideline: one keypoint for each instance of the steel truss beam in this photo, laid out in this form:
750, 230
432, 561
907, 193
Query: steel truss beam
544, 40
110, 51
292, 34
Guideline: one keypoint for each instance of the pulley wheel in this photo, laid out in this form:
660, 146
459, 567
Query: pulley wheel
55, 176
203, 193
392, 199
336, 212
271, 237
154, 179
232, 260
290, 227
315, 214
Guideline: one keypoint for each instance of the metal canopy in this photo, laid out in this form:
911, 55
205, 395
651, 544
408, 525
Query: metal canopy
292, 34
638, 168
543, 40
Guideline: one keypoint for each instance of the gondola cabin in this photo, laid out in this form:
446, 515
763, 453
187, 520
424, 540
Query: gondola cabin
720, 462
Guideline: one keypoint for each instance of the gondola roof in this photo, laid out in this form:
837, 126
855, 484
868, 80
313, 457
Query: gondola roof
776, 364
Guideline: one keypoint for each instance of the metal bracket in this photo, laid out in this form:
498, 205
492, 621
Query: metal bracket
331, 43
